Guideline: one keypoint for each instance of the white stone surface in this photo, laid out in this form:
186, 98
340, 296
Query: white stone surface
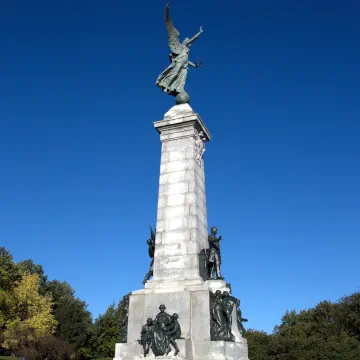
181, 228
217, 285
192, 306
181, 233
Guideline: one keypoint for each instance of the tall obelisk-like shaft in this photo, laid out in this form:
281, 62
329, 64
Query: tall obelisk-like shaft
181, 228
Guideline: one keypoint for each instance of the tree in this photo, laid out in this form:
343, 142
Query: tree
74, 320
106, 332
9, 272
30, 317
49, 348
29, 267
258, 344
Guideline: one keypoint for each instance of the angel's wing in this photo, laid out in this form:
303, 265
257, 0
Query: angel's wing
173, 34
152, 234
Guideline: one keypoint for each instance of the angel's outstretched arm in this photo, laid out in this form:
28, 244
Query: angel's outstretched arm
195, 37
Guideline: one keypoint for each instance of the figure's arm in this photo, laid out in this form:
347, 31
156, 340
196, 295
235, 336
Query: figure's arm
195, 37
192, 64
234, 300
171, 332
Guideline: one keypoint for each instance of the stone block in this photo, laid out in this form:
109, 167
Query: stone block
175, 200
162, 200
200, 305
173, 237
176, 188
177, 176
193, 247
218, 348
191, 198
165, 157
175, 249
176, 155
176, 211
201, 350
176, 223
128, 351
136, 316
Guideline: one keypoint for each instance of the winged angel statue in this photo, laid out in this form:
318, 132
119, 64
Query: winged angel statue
172, 79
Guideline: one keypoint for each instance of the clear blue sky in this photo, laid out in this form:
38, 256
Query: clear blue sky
279, 92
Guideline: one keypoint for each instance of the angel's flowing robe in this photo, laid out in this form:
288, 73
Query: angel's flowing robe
172, 79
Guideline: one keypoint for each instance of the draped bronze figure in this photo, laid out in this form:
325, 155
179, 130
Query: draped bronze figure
172, 80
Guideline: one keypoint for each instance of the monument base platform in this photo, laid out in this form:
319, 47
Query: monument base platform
189, 350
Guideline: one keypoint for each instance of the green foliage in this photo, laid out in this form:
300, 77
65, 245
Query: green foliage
74, 320
29, 267
330, 331
258, 344
9, 272
106, 332
49, 348
30, 316
41, 319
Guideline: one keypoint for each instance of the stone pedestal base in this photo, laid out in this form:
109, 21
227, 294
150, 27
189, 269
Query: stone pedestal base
190, 299
189, 350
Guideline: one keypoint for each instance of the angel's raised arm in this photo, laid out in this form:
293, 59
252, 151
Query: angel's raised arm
195, 37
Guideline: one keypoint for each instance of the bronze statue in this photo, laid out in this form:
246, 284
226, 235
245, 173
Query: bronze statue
221, 307
146, 336
172, 80
160, 333
240, 320
214, 255
228, 302
125, 318
160, 344
151, 245
174, 332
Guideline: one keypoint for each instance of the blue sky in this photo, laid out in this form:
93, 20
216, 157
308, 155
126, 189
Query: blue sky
279, 91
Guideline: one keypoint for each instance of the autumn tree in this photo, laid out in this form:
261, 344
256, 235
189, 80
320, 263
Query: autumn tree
30, 314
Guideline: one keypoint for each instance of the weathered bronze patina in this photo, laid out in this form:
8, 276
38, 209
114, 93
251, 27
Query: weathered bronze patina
172, 80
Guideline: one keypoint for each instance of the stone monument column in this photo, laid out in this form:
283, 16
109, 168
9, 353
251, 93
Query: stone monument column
181, 235
184, 311
181, 228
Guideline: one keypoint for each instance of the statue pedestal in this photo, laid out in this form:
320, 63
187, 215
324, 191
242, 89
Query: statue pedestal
204, 350
181, 234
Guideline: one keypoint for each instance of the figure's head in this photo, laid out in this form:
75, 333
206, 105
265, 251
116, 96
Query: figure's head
162, 308
218, 293
214, 230
225, 293
174, 316
185, 42
149, 321
149, 242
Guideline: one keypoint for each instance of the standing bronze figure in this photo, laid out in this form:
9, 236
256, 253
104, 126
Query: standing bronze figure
146, 336
172, 80
240, 320
151, 245
214, 255
221, 308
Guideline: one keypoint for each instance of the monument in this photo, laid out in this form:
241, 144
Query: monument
186, 309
